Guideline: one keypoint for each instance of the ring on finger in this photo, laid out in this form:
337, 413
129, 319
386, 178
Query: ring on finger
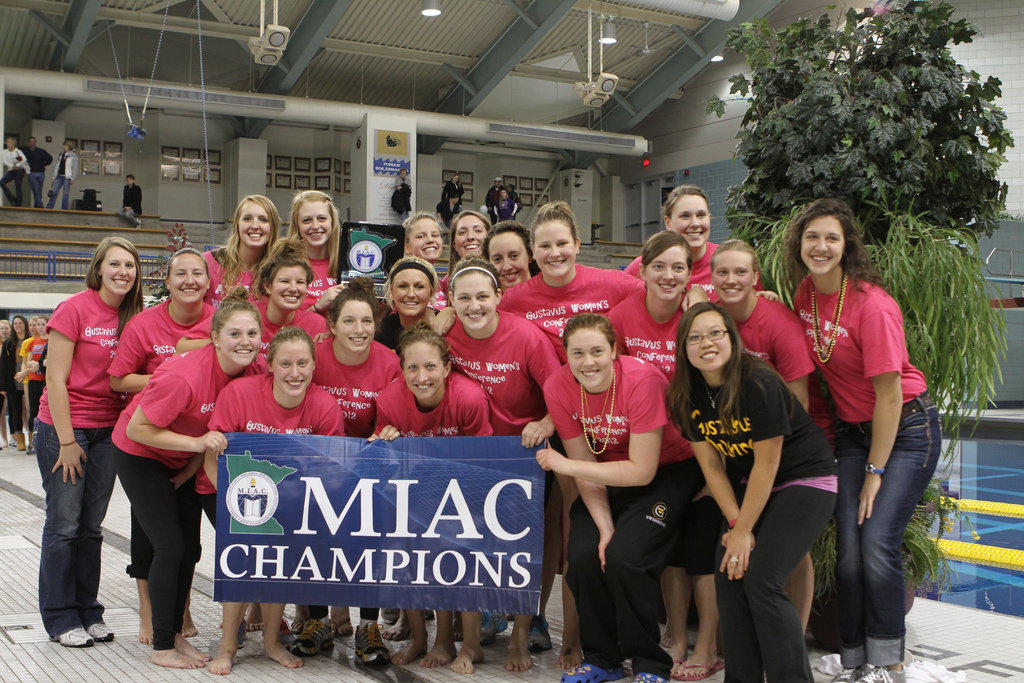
734, 559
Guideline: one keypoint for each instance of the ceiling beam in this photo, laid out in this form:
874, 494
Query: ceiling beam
78, 21
674, 72
504, 55
303, 45
653, 16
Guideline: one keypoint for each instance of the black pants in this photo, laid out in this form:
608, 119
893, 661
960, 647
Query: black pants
762, 633
618, 607
14, 417
35, 394
170, 517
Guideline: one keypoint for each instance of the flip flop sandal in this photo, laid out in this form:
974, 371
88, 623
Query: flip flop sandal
712, 669
588, 673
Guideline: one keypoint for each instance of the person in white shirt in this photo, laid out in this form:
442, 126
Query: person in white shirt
15, 168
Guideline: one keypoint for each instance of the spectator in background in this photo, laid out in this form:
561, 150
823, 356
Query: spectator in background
492, 198
131, 202
453, 188
447, 208
506, 208
401, 198
15, 167
38, 159
514, 196
64, 174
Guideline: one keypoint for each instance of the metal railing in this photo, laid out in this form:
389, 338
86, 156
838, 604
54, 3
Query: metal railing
61, 266
1000, 267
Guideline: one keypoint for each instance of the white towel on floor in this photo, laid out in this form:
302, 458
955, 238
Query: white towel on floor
918, 672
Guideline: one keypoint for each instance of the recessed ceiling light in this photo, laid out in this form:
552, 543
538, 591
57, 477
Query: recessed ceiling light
431, 8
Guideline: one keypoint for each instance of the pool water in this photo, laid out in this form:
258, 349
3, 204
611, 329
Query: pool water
992, 471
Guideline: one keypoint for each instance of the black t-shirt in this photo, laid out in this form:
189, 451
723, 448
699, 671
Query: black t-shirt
765, 413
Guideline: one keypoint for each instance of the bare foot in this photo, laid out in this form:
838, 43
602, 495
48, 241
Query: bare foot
468, 656
389, 615
301, 614
457, 630
221, 664
276, 652
145, 631
519, 651
187, 649
400, 630
666, 638
694, 668
173, 659
439, 655
188, 627
341, 622
410, 652
254, 618
570, 657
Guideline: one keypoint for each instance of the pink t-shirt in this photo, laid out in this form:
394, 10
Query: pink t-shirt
180, 397
215, 294
248, 405
700, 271
639, 408
463, 410
149, 339
774, 334
511, 365
871, 342
323, 279
592, 290
356, 387
641, 336
307, 320
86, 320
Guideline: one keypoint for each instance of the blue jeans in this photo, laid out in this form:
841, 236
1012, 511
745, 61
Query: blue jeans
35, 181
869, 569
69, 559
15, 175
60, 183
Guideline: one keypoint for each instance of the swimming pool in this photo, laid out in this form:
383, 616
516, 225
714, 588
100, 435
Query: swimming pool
988, 470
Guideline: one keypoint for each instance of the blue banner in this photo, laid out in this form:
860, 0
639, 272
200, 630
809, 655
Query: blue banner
451, 523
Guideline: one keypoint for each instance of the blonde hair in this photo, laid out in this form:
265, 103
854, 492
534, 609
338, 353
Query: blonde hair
289, 334
333, 245
402, 264
237, 301
556, 211
740, 246
227, 256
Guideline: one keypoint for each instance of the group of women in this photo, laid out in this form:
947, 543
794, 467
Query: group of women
687, 440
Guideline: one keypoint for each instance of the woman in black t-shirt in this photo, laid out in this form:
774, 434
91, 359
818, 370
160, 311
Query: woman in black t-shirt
776, 488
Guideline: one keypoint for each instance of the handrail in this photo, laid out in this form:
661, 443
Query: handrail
1010, 252
61, 266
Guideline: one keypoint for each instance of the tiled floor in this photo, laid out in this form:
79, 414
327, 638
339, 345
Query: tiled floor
988, 647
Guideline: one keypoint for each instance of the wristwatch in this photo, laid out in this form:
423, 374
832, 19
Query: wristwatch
871, 469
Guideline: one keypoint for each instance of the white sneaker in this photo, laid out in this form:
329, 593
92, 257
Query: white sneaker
850, 675
883, 674
76, 637
100, 633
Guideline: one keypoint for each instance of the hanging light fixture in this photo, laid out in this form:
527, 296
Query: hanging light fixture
431, 8
608, 32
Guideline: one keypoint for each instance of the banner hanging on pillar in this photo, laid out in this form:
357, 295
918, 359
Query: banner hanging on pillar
452, 523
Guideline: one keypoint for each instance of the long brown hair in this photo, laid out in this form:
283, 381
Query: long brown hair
737, 374
855, 262
132, 301
227, 256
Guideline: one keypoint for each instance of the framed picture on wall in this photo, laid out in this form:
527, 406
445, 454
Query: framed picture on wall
213, 156
322, 164
282, 163
466, 177
507, 180
337, 183
303, 164
348, 168
467, 195
114, 150
540, 184
348, 185
170, 172
170, 155
337, 165
526, 198
112, 167
525, 183
270, 179
91, 166
448, 175
215, 176
323, 183
192, 174
283, 181
302, 182
191, 154
270, 163
90, 147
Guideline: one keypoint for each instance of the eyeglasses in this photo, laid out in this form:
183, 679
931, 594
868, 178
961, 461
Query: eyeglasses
713, 335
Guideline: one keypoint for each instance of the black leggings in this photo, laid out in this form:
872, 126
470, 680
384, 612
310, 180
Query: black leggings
35, 394
170, 517
14, 418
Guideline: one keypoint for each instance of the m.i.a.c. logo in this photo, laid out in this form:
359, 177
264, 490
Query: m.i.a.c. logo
252, 496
